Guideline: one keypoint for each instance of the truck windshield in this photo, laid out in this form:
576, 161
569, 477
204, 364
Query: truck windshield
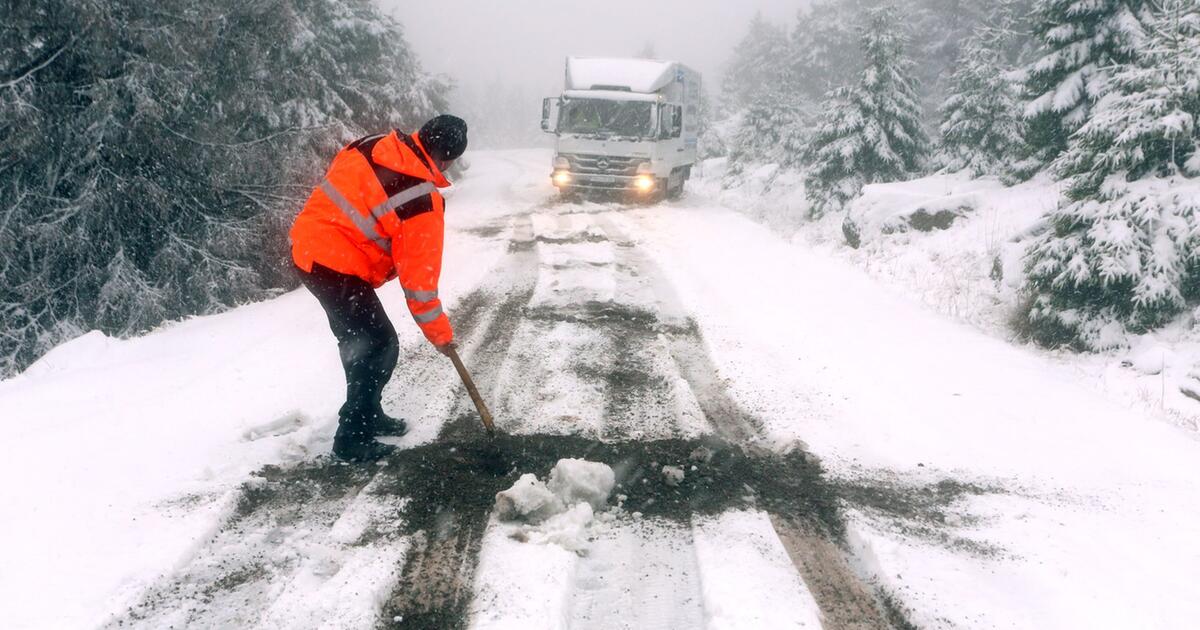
590, 116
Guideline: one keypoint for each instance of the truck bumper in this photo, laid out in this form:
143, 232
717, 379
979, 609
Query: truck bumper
570, 181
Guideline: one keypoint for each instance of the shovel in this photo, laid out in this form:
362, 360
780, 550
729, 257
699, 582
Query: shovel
484, 414
491, 458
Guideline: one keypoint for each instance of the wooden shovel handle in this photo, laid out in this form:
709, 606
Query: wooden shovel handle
472, 390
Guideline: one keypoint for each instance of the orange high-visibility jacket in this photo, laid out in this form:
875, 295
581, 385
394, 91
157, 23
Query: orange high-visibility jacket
376, 216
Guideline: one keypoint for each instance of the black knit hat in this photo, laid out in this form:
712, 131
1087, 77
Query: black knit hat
444, 137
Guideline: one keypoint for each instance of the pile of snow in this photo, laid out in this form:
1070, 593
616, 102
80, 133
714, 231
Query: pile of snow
559, 510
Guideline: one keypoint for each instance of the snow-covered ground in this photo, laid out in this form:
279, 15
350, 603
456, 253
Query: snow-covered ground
973, 270
983, 484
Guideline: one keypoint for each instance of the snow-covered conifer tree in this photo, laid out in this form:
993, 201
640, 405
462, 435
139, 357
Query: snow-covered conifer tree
760, 90
1082, 40
1123, 253
757, 65
826, 53
825, 47
981, 126
771, 130
152, 154
871, 132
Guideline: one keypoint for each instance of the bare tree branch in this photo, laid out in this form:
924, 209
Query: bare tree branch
39, 65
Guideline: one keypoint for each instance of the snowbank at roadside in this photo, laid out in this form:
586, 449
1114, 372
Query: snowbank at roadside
970, 269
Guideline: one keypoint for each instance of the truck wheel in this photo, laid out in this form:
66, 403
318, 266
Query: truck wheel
676, 191
661, 191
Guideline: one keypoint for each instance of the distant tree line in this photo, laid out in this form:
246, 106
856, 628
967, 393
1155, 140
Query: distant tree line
152, 154
1100, 94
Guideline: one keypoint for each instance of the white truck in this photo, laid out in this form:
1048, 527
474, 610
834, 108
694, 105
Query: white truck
626, 126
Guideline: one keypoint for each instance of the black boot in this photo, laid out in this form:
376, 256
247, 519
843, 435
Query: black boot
355, 442
385, 425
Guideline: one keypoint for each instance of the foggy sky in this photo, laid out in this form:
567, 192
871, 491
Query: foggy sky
479, 42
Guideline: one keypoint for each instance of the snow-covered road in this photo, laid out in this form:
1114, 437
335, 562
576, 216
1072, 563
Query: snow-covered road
873, 464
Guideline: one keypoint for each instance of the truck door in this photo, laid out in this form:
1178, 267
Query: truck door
550, 114
670, 121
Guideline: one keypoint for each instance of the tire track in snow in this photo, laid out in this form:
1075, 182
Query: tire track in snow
299, 541
641, 314
845, 600
435, 588
432, 591
655, 555
307, 545
686, 347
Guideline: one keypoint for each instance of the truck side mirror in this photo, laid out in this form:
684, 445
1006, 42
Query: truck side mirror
550, 114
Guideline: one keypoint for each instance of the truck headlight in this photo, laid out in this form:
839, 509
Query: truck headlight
644, 183
561, 178
562, 163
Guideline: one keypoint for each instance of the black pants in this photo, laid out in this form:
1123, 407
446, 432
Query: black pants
366, 339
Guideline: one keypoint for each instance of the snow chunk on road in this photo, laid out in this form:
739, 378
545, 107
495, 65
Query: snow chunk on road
568, 529
560, 511
572, 481
575, 480
527, 500
673, 475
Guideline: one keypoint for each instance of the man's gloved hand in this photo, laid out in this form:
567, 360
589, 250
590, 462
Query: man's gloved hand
446, 348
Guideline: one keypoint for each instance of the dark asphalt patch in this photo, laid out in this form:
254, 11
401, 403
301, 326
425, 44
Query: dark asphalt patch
608, 315
490, 231
571, 240
281, 490
452, 492
454, 477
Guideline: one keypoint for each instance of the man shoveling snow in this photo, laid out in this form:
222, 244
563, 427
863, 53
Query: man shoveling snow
378, 215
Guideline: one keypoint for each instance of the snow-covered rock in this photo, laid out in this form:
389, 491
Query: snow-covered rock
925, 205
1150, 357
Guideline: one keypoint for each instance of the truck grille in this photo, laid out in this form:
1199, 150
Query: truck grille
604, 164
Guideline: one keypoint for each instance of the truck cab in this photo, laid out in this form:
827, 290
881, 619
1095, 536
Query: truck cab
627, 126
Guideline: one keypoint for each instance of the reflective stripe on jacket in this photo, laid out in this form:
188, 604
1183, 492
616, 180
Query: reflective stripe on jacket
378, 215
